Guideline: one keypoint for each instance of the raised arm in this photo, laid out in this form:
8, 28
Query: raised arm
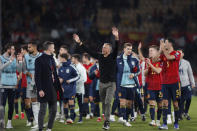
89, 51
3, 66
140, 51
155, 69
116, 35
166, 53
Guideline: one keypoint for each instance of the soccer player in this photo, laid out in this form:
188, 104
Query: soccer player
170, 80
8, 67
68, 76
187, 83
63, 50
22, 85
94, 75
127, 71
107, 67
80, 91
87, 64
153, 74
29, 70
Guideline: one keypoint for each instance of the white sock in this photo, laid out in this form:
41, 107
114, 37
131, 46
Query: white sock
36, 108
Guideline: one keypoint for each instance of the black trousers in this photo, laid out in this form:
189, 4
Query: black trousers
9, 94
42, 113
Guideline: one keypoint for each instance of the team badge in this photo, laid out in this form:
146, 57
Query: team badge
133, 63
67, 70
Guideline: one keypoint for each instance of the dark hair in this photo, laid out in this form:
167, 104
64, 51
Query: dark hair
25, 47
65, 56
127, 44
171, 40
86, 55
8, 46
154, 46
46, 44
34, 43
64, 47
181, 50
76, 56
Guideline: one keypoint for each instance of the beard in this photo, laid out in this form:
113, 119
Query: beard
31, 52
9, 53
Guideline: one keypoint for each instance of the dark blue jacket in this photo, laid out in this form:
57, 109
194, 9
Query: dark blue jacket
93, 77
68, 72
134, 68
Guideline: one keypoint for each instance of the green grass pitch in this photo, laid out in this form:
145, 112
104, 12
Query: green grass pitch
138, 125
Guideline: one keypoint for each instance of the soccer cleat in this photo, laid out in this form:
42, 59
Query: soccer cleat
9, 125
187, 116
158, 123
132, 119
127, 124
22, 115
2, 124
169, 120
69, 121
106, 125
80, 120
152, 123
91, 115
112, 118
61, 119
163, 127
35, 126
176, 126
16, 116
29, 123
121, 120
99, 119
48, 130
87, 116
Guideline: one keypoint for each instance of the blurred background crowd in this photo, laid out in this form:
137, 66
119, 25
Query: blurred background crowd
138, 20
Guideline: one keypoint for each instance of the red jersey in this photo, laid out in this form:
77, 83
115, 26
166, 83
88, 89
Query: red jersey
87, 70
154, 79
170, 71
140, 75
23, 81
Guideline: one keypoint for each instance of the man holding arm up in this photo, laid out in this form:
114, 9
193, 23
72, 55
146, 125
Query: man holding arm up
107, 65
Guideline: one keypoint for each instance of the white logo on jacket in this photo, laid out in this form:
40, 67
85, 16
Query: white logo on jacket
67, 70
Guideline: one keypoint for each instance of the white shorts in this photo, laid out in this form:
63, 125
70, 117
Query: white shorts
31, 93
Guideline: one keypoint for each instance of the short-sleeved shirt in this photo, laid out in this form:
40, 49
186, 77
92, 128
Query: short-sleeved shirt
153, 78
170, 70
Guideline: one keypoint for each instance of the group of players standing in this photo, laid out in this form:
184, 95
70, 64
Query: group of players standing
158, 79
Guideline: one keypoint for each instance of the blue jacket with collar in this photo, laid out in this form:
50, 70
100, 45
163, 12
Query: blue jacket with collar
134, 68
68, 72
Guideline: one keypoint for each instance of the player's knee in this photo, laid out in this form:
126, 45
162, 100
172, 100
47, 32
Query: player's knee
27, 105
65, 105
86, 100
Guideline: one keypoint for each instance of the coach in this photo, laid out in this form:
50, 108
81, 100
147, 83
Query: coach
47, 84
107, 66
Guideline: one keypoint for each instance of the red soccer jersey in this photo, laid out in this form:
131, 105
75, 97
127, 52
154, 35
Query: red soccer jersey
170, 71
140, 75
154, 79
87, 70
